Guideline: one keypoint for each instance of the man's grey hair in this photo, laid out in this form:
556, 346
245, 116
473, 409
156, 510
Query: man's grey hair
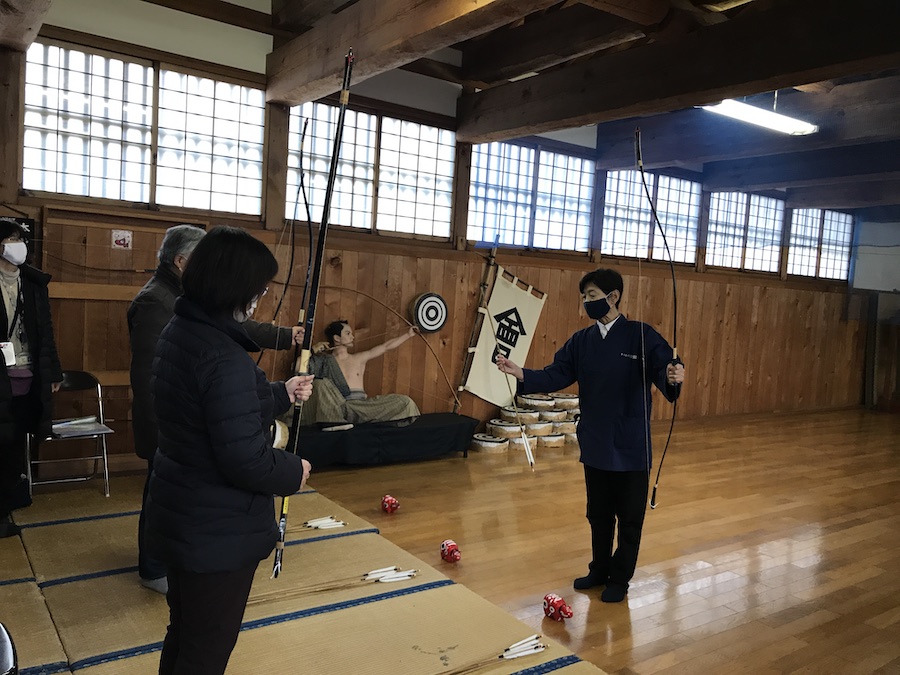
179, 240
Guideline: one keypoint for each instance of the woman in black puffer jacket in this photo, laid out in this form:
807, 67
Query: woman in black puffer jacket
210, 513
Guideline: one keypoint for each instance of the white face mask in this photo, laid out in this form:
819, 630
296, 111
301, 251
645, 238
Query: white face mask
15, 252
241, 317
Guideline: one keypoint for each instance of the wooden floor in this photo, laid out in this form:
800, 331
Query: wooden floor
775, 547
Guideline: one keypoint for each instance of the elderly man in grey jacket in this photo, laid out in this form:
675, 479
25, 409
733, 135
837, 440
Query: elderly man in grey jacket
148, 314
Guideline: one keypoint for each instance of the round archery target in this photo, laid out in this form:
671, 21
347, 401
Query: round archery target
429, 312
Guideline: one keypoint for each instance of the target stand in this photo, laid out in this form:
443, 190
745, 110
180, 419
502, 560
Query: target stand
428, 311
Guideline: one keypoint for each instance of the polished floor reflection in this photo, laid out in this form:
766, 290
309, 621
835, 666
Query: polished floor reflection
775, 547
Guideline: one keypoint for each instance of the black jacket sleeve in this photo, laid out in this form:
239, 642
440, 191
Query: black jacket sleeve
268, 336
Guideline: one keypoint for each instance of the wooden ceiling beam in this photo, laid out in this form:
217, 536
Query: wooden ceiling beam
853, 164
546, 41
692, 136
436, 69
225, 12
384, 34
642, 12
299, 16
845, 195
791, 43
20, 21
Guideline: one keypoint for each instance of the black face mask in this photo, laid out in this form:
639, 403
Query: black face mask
597, 309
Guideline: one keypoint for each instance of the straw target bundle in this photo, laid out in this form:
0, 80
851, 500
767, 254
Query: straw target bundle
564, 427
565, 401
539, 428
503, 429
489, 444
552, 441
535, 401
554, 415
571, 438
508, 413
516, 443
574, 413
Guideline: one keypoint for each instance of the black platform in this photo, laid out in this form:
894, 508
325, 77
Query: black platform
430, 436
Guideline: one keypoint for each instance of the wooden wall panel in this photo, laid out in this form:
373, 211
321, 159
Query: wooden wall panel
751, 343
887, 384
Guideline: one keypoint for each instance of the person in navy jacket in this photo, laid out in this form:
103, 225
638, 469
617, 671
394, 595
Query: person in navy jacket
614, 362
210, 509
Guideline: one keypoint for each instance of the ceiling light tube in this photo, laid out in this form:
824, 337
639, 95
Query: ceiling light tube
764, 118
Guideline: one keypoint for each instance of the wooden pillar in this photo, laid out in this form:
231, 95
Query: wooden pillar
703, 231
12, 93
275, 176
459, 219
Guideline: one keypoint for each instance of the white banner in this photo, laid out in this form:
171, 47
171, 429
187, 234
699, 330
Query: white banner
508, 325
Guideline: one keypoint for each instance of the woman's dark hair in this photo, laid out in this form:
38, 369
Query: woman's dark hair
227, 269
605, 279
9, 227
334, 329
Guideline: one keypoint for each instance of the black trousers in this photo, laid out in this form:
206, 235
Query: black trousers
205, 614
148, 567
14, 493
615, 498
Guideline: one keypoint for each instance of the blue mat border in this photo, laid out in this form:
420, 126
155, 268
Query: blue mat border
90, 575
80, 519
22, 580
550, 666
46, 669
269, 621
106, 516
128, 570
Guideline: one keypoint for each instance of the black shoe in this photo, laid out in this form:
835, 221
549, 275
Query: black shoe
590, 581
614, 592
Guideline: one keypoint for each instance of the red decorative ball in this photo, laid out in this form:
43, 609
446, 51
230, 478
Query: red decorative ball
556, 608
450, 551
389, 504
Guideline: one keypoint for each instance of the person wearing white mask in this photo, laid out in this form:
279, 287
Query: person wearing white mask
148, 314
210, 511
31, 369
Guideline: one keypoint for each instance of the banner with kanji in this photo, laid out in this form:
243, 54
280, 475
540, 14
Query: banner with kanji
507, 327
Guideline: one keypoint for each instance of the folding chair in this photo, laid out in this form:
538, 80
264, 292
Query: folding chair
76, 429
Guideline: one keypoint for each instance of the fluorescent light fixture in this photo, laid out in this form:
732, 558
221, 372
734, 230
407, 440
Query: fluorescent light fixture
763, 118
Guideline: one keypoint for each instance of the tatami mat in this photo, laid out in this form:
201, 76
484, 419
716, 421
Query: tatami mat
64, 502
92, 543
309, 505
318, 616
438, 630
14, 563
23, 612
82, 547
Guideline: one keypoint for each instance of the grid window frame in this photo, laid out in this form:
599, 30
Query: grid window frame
765, 225
680, 217
416, 164
565, 188
627, 217
529, 195
88, 123
726, 229
820, 244
398, 178
353, 198
501, 185
211, 143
